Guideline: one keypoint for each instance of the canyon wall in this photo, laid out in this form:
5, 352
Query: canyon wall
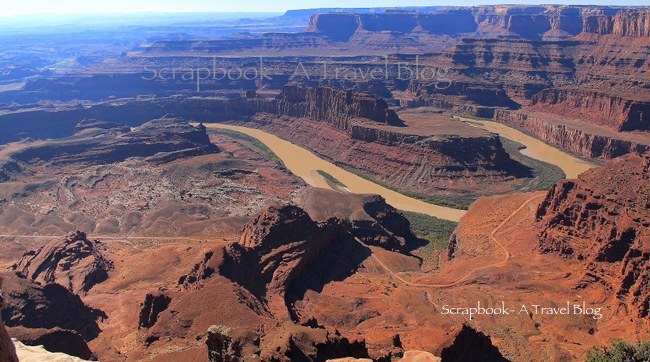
572, 139
632, 23
425, 30
335, 106
594, 221
342, 26
524, 22
600, 108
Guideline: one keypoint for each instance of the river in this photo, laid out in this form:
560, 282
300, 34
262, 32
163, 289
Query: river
303, 163
571, 165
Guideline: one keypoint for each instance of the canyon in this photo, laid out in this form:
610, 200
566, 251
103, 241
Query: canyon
360, 129
336, 205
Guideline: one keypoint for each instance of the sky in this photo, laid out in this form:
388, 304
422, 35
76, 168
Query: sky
24, 7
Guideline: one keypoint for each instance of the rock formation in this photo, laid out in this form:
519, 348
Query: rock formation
49, 315
55, 340
418, 163
201, 271
7, 349
73, 262
621, 114
369, 217
150, 308
523, 22
419, 356
605, 227
290, 343
334, 106
628, 23
232, 344
283, 252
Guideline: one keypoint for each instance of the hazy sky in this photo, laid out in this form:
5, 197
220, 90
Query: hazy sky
15, 7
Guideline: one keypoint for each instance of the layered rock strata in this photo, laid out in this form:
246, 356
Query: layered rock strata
573, 139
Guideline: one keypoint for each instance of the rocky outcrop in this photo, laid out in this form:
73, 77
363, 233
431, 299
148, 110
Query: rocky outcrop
201, 271
7, 349
55, 340
73, 262
369, 217
50, 313
152, 306
388, 228
454, 242
282, 252
485, 95
160, 140
290, 343
232, 344
572, 139
605, 227
469, 344
419, 356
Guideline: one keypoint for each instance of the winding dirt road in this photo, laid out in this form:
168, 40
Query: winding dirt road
506, 254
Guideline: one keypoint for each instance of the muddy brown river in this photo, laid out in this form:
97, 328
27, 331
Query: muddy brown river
303, 163
571, 165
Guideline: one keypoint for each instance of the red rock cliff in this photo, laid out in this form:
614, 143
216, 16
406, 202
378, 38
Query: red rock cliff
335, 106
605, 227
632, 23
570, 138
